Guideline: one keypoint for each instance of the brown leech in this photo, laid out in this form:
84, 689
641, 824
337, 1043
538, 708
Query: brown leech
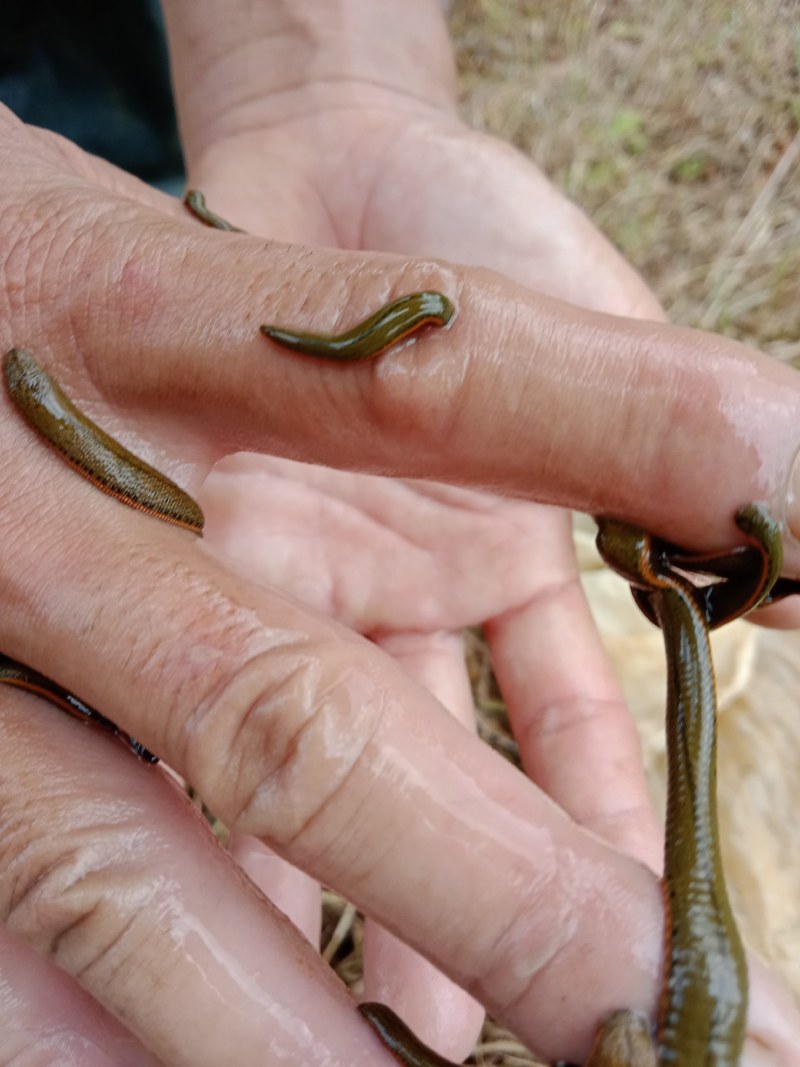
704, 994
104, 462
14, 673
91, 451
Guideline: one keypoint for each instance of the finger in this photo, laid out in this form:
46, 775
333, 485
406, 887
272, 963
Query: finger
290, 890
300, 733
783, 615
774, 1039
101, 879
436, 1009
576, 737
45, 1017
580, 745
445, 1016
641, 420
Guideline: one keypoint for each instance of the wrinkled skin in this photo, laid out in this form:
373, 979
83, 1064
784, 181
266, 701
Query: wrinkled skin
297, 732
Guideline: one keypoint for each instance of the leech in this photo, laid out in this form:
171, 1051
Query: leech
91, 451
387, 327
105, 463
401, 1041
23, 677
747, 575
196, 203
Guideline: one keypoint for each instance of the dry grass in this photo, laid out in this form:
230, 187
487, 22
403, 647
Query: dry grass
675, 126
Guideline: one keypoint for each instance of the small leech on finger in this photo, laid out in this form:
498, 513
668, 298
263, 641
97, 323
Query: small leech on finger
196, 203
22, 677
108, 465
388, 326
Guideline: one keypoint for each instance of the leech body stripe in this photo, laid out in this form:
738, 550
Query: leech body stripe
392, 324
17, 674
91, 451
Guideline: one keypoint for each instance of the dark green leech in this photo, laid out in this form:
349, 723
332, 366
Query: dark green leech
393, 323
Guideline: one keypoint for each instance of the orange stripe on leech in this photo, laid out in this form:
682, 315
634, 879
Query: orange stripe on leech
653, 579
124, 498
48, 694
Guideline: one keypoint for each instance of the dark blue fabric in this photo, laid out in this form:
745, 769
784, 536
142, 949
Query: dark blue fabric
97, 72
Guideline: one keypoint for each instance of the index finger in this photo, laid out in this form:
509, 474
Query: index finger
666, 427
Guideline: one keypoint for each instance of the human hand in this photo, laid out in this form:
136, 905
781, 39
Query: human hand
224, 679
395, 170
370, 160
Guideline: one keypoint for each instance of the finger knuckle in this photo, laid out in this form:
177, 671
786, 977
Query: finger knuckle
279, 746
63, 893
526, 949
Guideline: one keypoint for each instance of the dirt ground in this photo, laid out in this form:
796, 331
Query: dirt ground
675, 126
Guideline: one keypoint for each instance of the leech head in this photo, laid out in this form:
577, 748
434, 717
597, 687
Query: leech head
625, 548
